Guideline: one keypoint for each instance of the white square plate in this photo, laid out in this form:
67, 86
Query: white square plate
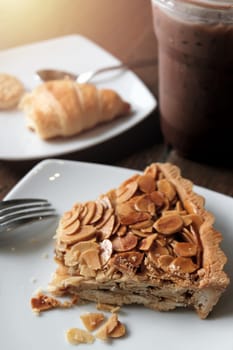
76, 54
26, 263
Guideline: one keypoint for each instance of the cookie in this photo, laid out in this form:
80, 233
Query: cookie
11, 90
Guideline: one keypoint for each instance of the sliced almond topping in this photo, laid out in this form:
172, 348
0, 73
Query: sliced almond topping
144, 203
85, 233
108, 327
169, 224
83, 212
99, 209
146, 183
185, 249
118, 331
134, 218
42, 302
124, 184
86, 271
79, 336
146, 243
130, 190
107, 307
72, 228
197, 220
187, 235
157, 198
183, 265
106, 199
91, 258
157, 251
164, 261
70, 216
140, 233
107, 229
91, 208
92, 320
121, 231
128, 261
105, 251
145, 225
167, 188
105, 217
151, 170
125, 243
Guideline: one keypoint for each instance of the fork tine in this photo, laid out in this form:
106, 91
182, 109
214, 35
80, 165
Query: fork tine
19, 205
20, 211
12, 203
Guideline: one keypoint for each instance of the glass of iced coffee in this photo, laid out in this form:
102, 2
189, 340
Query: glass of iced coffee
195, 60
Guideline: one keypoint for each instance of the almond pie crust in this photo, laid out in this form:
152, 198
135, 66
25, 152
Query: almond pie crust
150, 241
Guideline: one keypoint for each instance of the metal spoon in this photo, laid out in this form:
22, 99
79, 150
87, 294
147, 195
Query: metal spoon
54, 74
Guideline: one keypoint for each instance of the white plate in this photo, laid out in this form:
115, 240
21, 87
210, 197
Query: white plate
77, 54
24, 259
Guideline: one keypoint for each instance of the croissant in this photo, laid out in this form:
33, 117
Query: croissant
66, 108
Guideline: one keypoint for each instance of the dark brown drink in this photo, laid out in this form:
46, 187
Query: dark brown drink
195, 78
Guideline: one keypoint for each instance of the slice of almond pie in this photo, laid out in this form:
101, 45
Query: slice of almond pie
150, 241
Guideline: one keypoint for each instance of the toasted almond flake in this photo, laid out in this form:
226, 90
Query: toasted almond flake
125, 183
145, 225
197, 220
77, 336
72, 228
92, 320
169, 224
83, 212
125, 243
99, 209
70, 216
127, 261
105, 200
85, 233
108, 327
144, 203
130, 190
134, 218
151, 170
91, 208
105, 217
146, 183
91, 258
156, 252
157, 198
164, 261
167, 188
140, 233
185, 249
121, 231
119, 331
187, 235
183, 265
43, 302
107, 307
105, 251
146, 243
107, 229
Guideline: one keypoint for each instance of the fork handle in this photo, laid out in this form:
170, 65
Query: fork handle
87, 76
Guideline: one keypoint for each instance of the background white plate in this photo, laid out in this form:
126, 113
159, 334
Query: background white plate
26, 263
76, 54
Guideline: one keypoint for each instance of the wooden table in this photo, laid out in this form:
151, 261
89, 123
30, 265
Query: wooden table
143, 144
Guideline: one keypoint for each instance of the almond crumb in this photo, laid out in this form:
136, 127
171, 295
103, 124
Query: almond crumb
79, 336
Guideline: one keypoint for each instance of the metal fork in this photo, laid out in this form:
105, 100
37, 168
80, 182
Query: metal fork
21, 211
